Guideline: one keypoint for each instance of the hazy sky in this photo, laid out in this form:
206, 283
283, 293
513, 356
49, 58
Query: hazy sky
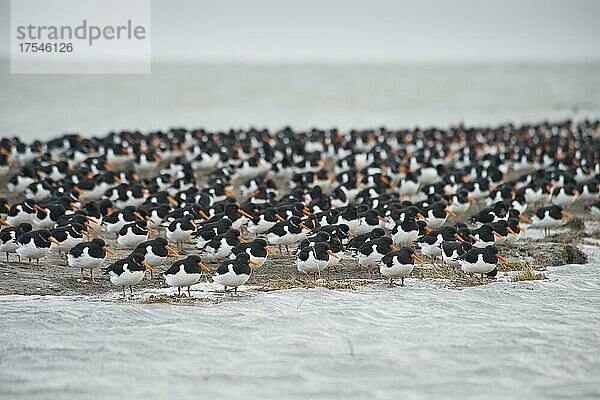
373, 31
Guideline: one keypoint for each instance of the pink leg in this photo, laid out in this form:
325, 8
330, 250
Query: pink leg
92, 280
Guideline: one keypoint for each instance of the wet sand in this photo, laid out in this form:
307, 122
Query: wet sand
532, 253
279, 272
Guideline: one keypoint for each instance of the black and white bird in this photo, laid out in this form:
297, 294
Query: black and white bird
258, 250
9, 236
480, 260
128, 271
155, 251
220, 247
398, 264
181, 230
314, 258
116, 220
34, 245
234, 273
431, 243
287, 233
89, 255
370, 254
134, 233
185, 273
69, 236
550, 217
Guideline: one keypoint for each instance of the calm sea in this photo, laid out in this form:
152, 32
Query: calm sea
528, 340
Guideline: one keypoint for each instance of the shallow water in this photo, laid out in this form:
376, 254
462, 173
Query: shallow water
505, 340
303, 96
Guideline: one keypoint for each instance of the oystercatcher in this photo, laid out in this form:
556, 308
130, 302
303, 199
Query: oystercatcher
235, 272
128, 271
89, 255
398, 263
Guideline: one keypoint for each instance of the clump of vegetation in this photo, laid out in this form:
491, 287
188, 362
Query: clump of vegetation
572, 255
438, 271
294, 282
576, 224
163, 298
528, 274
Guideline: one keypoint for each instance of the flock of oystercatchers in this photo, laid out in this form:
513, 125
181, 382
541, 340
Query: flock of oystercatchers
382, 196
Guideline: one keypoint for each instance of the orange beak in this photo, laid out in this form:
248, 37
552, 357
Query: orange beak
524, 218
350, 234
241, 239
449, 211
148, 266
393, 247
566, 214
268, 249
56, 242
508, 228
496, 234
499, 257
306, 211
414, 257
253, 263
520, 228
331, 253
91, 220
170, 250
138, 215
89, 226
244, 213
193, 223
227, 191
38, 207
457, 236
171, 200
203, 214
109, 251
3, 222
427, 229
84, 233
150, 229
204, 267
473, 237
305, 227
279, 217
421, 216
381, 218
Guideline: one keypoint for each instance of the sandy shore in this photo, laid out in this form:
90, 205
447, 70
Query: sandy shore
279, 272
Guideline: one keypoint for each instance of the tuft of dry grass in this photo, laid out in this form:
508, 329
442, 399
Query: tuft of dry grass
528, 275
294, 282
576, 224
163, 298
